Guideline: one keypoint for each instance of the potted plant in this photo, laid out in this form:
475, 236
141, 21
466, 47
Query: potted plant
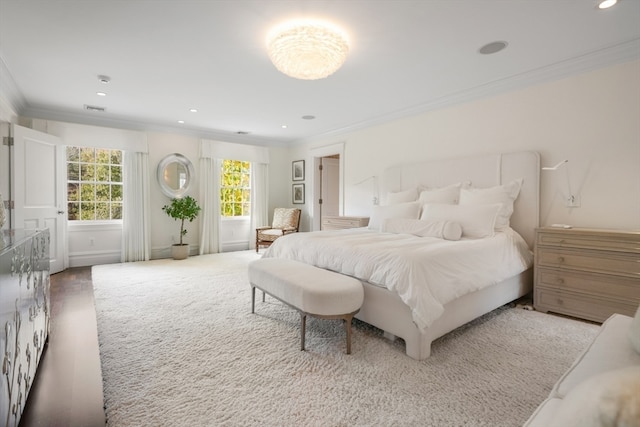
181, 209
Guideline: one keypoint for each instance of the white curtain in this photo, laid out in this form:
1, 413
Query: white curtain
259, 199
136, 243
210, 203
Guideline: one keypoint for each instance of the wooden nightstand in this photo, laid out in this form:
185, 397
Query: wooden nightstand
587, 273
341, 222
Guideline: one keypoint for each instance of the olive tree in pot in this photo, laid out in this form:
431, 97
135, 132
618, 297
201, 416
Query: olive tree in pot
185, 208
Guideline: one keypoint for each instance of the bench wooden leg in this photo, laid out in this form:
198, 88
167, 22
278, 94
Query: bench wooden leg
347, 325
303, 327
253, 299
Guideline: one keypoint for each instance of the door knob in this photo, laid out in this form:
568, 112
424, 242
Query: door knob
60, 212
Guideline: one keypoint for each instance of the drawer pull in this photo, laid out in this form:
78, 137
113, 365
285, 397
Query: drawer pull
560, 302
560, 259
560, 281
562, 241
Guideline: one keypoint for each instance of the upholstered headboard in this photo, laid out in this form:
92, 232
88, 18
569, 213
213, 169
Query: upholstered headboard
480, 171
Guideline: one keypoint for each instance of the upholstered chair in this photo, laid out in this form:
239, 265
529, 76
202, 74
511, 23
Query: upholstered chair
285, 221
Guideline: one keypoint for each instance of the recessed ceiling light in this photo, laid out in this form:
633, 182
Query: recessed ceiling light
193, 110
181, 122
101, 94
284, 126
605, 4
493, 47
104, 79
308, 117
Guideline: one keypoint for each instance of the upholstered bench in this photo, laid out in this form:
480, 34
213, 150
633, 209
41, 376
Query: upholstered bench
310, 290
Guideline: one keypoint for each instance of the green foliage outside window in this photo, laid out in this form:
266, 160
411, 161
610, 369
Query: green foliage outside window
235, 188
94, 184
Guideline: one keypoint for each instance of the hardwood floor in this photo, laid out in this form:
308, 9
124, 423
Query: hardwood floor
67, 390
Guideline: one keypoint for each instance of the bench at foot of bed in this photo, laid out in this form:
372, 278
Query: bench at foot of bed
310, 290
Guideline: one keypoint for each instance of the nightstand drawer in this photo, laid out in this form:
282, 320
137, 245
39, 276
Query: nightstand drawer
597, 240
623, 288
341, 222
593, 261
585, 307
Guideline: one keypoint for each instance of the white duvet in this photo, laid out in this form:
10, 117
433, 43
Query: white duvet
426, 272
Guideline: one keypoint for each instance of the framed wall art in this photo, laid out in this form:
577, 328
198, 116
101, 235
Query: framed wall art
297, 170
297, 193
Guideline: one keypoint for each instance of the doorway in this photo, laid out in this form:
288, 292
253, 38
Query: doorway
329, 186
331, 178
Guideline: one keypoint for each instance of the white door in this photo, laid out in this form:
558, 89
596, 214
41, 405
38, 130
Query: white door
37, 188
330, 192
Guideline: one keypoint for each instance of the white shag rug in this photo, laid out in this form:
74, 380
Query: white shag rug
180, 347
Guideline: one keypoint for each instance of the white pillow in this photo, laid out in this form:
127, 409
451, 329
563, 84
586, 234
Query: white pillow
441, 229
477, 221
503, 194
401, 210
608, 399
402, 196
449, 195
634, 331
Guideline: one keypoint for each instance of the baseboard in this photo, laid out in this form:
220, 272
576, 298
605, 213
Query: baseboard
83, 259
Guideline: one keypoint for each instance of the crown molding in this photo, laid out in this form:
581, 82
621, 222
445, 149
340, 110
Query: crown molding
621, 53
11, 96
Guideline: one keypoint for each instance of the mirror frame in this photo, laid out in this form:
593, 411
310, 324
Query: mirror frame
164, 187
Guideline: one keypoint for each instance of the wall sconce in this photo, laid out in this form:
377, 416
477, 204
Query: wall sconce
375, 197
571, 201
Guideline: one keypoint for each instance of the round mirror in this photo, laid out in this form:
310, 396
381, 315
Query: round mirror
175, 175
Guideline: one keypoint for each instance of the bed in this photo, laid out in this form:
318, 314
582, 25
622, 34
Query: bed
396, 300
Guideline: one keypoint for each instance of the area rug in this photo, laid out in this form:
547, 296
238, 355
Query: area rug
180, 347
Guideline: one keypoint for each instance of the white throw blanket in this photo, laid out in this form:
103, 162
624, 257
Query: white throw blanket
426, 272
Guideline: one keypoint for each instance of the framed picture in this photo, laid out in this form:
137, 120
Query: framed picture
298, 194
297, 171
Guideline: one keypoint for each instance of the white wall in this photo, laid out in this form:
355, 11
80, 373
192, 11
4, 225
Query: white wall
591, 119
164, 230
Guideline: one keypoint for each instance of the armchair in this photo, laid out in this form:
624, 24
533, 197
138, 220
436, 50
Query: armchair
285, 221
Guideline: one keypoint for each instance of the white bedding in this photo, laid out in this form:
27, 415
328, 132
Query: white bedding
426, 272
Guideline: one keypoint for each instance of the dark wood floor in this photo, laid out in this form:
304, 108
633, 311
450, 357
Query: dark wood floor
67, 390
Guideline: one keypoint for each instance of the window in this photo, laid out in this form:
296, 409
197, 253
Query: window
94, 184
235, 188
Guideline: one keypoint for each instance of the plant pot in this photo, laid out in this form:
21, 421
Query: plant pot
180, 251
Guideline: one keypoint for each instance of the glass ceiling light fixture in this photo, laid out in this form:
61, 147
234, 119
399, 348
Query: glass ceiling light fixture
308, 49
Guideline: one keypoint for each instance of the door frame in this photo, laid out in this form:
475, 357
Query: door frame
317, 153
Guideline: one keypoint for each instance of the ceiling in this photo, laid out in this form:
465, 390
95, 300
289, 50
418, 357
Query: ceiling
167, 57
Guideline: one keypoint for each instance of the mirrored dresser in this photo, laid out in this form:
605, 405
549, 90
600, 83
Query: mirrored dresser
24, 316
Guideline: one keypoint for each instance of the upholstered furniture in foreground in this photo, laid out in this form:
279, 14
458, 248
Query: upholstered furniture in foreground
310, 290
285, 221
602, 387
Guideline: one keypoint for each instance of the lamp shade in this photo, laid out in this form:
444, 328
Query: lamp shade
307, 50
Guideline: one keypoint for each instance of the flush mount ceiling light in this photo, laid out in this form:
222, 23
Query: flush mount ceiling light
307, 50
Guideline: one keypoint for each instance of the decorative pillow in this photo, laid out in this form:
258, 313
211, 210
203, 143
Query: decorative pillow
503, 194
634, 331
402, 196
441, 229
401, 210
477, 221
449, 195
609, 399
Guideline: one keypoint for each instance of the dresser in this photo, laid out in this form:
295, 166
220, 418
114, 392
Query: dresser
24, 316
341, 222
587, 273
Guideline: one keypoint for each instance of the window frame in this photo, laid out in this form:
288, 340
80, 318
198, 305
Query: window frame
222, 187
79, 181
